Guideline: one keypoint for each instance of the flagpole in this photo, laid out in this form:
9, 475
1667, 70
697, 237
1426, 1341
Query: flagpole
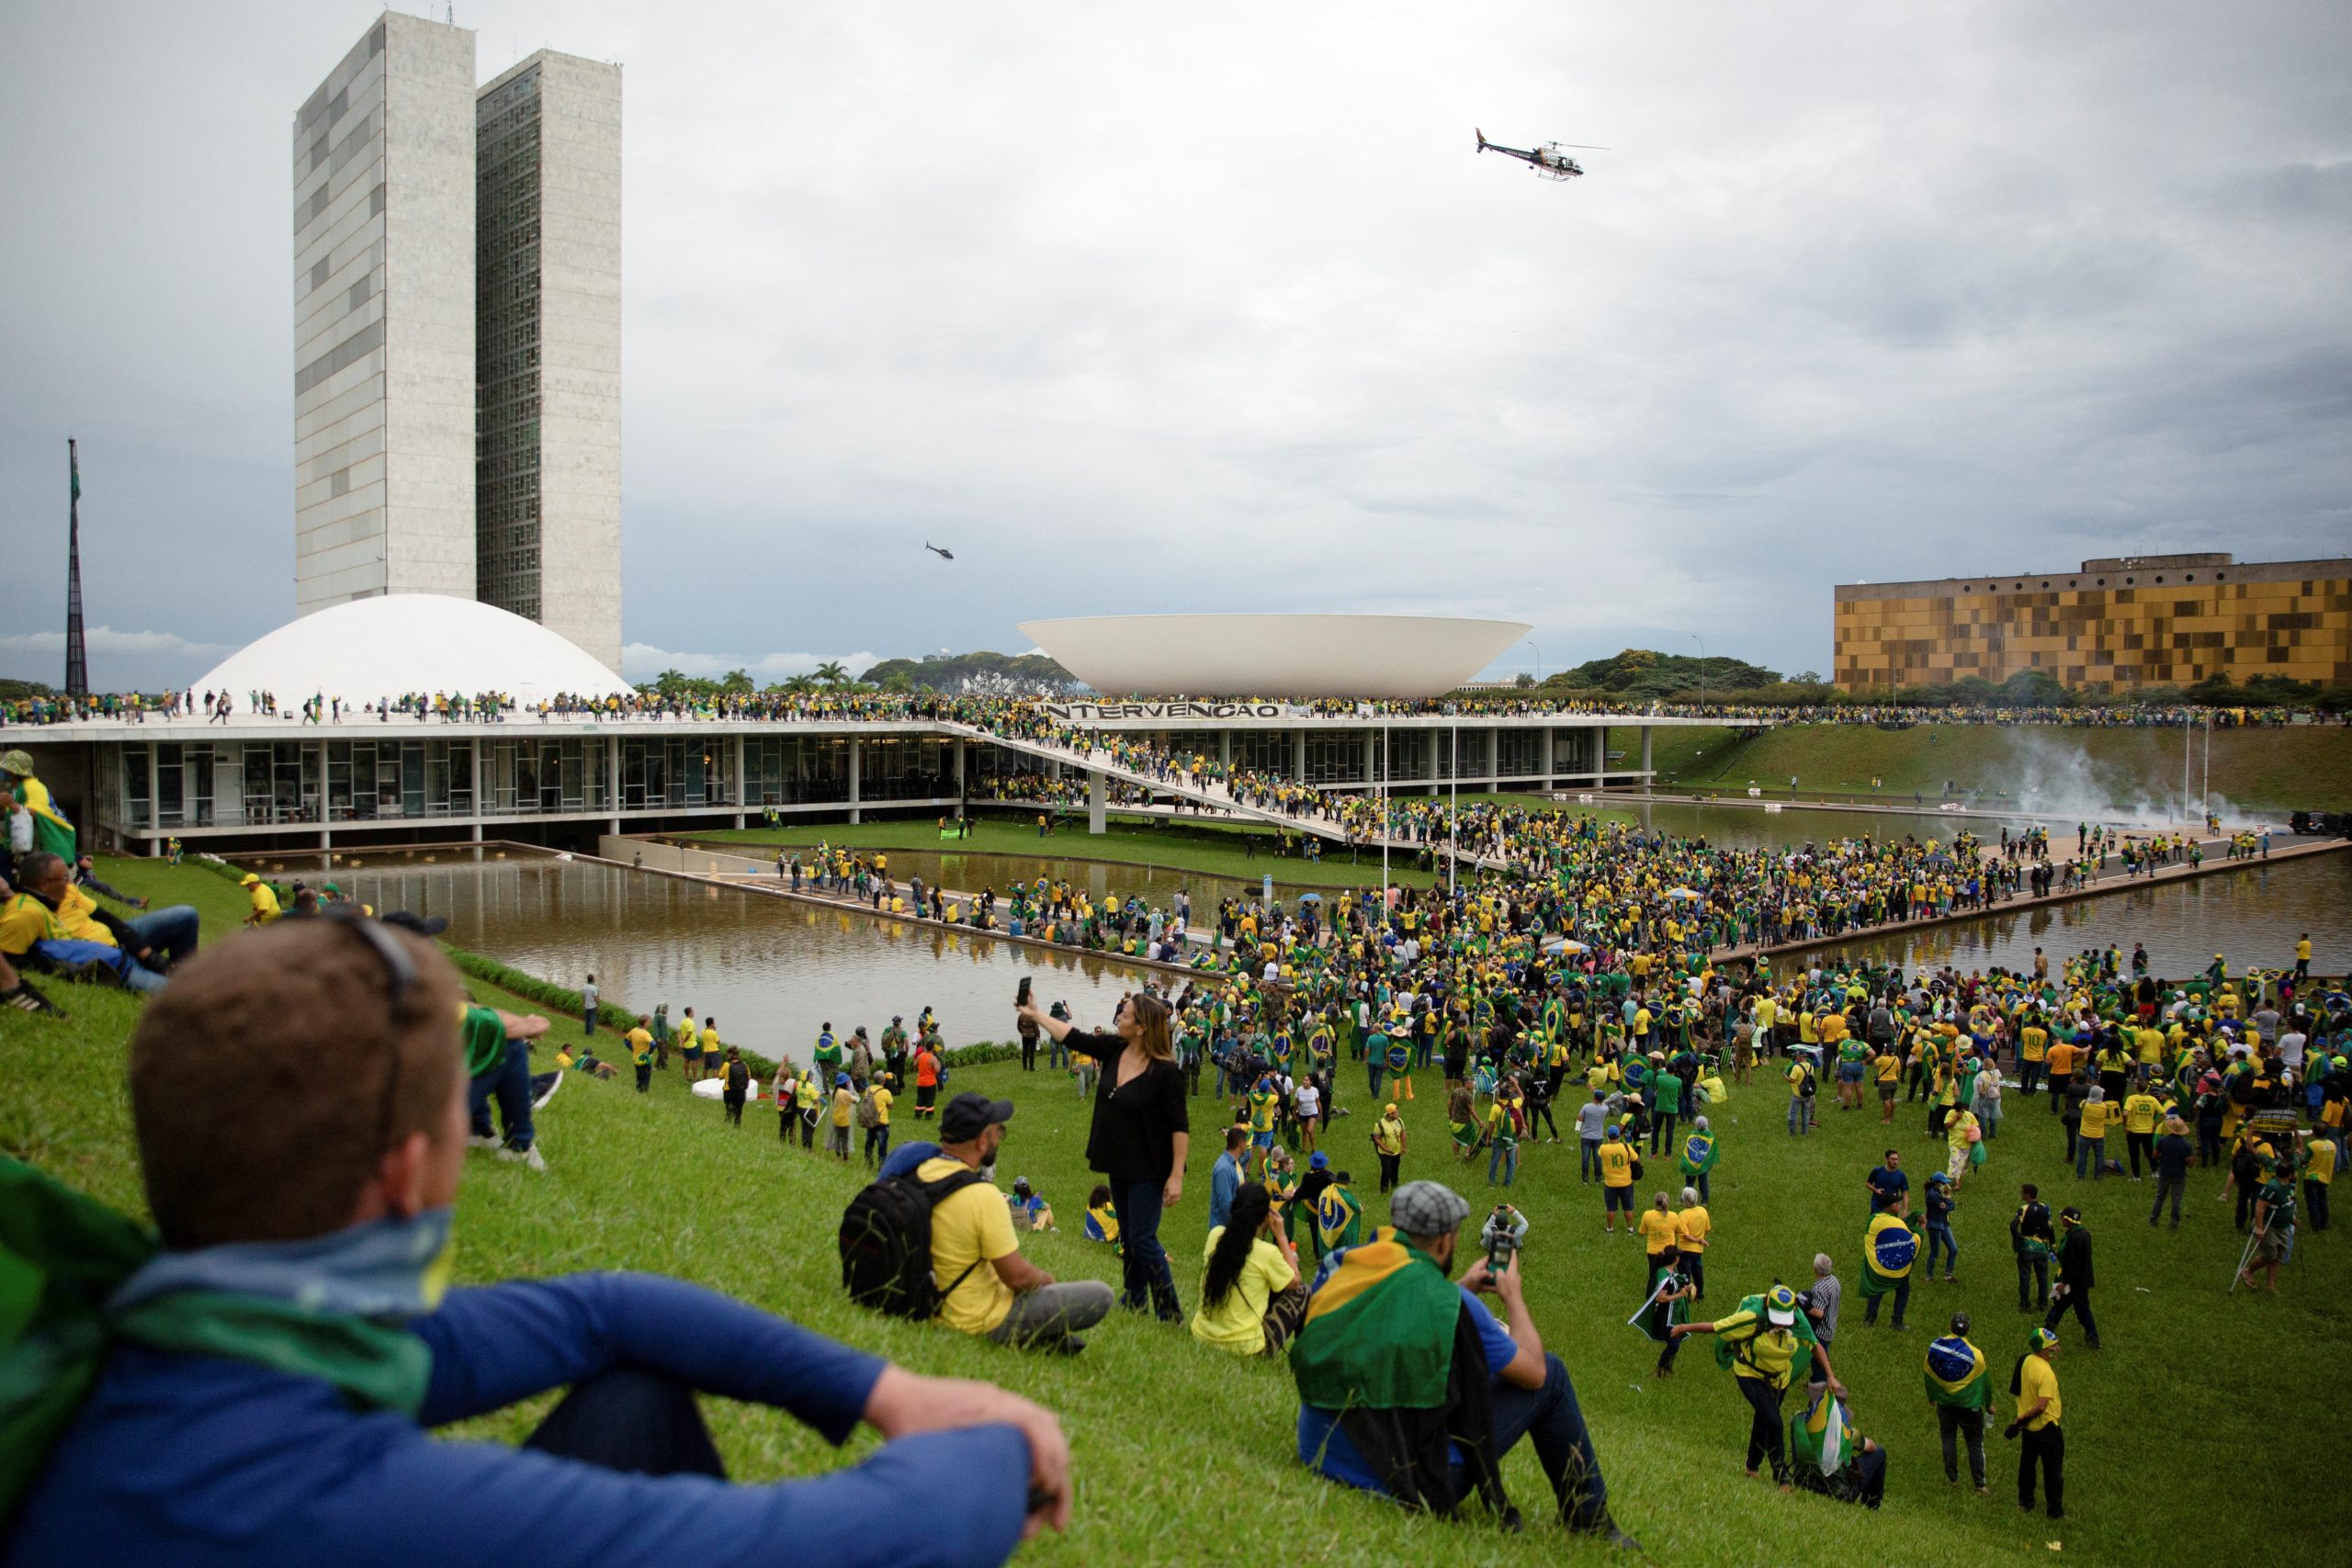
77, 656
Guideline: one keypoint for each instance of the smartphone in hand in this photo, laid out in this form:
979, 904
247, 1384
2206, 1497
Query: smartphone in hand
1021, 997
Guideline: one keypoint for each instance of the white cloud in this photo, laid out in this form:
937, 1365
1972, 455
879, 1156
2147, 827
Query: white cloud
107, 640
644, 661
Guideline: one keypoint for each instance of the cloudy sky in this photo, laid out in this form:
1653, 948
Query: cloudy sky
1214, 307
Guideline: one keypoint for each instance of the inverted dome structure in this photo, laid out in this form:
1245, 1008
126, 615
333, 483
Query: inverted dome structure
1303, 656
398, 643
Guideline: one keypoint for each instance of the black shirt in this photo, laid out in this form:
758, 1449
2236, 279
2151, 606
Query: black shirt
1133, 1138
2172, 1155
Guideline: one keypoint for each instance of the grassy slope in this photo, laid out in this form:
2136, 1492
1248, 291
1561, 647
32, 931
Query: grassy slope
1184, 1455
2303, 766
1190, 849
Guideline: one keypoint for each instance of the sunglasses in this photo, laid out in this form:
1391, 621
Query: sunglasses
399, 999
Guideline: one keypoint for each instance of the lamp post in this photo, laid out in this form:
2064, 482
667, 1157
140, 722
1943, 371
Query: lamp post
1539, 661
1702, 667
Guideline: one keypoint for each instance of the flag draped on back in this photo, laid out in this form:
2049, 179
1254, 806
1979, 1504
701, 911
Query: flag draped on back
1889, 1248
1956, 1374
1339, 1218
1379, 1334
1818, 1437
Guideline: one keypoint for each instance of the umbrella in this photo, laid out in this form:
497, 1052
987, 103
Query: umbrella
1560, 945
1681, 893
1310, 898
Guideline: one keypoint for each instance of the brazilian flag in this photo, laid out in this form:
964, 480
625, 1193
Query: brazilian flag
1698, 1155
1822, 1437
1339, 1219
1956, 1374
1380, 1332
1889, 1248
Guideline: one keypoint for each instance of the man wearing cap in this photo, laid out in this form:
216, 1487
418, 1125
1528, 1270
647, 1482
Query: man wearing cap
264, 898
2073, 1292
2035, 1385
34, 820
987, 1287
1961, 1389
1393, 1354
1765, 1343
1388, 1143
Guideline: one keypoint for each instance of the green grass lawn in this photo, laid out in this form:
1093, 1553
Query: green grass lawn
1185, 1456
1190, 846
2301, 766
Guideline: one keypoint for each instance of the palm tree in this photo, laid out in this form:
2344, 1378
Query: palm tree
831, 673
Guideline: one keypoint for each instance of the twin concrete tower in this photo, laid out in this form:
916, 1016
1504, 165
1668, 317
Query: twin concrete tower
458, 333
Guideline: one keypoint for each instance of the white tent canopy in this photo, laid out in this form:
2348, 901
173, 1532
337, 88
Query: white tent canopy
372, 649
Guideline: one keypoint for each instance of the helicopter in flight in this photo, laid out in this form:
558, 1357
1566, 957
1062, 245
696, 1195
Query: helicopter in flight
934, 549
1551, 160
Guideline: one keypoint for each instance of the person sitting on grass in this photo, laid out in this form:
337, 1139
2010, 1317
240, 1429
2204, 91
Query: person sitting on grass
18, 992
1252, 1298
259, 1388
50, 922
1027, 1209
1102, 1216
986, 1286
1393, 1357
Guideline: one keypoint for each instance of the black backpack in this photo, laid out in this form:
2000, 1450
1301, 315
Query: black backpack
885, 1244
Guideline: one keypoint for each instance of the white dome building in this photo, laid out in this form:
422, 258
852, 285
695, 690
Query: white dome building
385, 646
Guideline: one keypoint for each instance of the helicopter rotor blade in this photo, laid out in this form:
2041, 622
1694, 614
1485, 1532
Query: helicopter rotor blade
1581, 146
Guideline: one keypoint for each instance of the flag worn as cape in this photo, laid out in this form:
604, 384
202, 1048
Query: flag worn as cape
51, 832
1956, 1374
1339, 1218
1889, 1248
1820, 1436
1379, 1333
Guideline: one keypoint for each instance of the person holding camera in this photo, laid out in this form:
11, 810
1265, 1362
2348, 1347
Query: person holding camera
1386, 1324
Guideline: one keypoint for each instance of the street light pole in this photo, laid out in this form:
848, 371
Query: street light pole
1539, 661
1702, 667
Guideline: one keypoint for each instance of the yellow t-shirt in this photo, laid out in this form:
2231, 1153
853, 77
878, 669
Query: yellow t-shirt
2033, 1044
1616, 1164
883, 1101
641, 1046
1889, 1065
2319, 1162
971, 1227
844, 1103
1956, 1128
1657, 1230
264, 900
1690, 1228
2037, 1379
2140, 1113
2094, 1118
710, 1044
1237, 1322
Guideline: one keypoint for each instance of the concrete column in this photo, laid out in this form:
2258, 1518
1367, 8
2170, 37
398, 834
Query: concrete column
613, 779
1646, 759
156, 801
1094, 802
1298, 756
742, 791
1494, 763
1547, 756
854, 814
959, 775
1225, 748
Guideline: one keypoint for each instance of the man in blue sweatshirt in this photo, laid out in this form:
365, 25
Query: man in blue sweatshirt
270, 1371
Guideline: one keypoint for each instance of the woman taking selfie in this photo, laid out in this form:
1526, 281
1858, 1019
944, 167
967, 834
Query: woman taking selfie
1140, 1136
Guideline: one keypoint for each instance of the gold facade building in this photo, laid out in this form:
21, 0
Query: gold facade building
2123, 622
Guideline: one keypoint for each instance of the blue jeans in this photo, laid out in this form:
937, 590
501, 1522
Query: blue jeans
1376, 1069
1941, 1233
1551, 1416
1588, 1158
1902, 1300
510, 1082
171, 934
1509, 1160
1144, 1265
2091, 1152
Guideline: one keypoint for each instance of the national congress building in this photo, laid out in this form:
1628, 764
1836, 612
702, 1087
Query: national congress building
458, 333
2124, 622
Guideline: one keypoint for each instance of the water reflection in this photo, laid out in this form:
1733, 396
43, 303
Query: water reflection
772, 970
2253, 916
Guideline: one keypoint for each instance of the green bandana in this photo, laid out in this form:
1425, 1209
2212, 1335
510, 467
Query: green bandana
75, 1276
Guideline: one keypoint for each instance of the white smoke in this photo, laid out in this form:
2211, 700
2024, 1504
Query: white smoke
2054, 778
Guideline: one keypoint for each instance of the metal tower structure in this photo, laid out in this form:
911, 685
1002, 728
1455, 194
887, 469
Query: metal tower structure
77, 655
